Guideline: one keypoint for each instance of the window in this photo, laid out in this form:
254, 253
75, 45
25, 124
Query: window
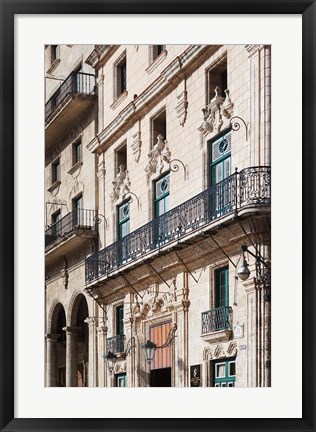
220, 169
162, 192
120, 380
222, 317
158, 127
55, 53
119, 320
121, 158
78, 212
123, 220
56, 228
123, 231
157, 50
120, 76
76, 152
217, 77
225, 373
56, 171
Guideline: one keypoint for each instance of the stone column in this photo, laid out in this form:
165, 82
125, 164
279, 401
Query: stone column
91, 352
102, 334
71, 356
51, 350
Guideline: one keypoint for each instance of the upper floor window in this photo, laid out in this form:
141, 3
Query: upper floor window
162, 192
156, 51
217, 79
56, 171
159, 127
123, 220
55, 53
120, 83
220, 158
76, 152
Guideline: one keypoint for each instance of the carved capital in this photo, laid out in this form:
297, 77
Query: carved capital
91, 321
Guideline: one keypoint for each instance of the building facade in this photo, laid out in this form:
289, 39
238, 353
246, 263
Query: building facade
158, 204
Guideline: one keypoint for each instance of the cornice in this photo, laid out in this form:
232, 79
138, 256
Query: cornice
100, 55
168, 79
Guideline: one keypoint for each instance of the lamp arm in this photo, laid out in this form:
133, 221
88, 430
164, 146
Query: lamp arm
258, 258
170, 337
130, 345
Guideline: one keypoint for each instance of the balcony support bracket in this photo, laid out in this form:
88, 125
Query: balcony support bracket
129, 284
186, 267
89, 291
160, 277
218, 245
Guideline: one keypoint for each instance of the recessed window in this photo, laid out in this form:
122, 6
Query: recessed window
159, 127
217, 79
56, 171
120, 76
157, 50
55, 53
76, 152
121, 158
56, 228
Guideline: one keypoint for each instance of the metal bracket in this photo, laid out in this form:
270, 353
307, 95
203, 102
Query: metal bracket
129, 284
180, 259
223, 251
160, 277
236, 124
174, 167
171, 336
90, 293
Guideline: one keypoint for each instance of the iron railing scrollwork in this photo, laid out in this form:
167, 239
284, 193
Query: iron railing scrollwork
77, 219
75, 83
247, 188
115, 344
217, 319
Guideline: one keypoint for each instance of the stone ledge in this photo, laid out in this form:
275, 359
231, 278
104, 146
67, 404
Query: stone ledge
218, 336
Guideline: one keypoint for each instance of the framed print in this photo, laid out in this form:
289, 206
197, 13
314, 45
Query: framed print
141, 138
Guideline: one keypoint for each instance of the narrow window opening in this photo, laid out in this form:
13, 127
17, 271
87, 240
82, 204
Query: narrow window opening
217, 78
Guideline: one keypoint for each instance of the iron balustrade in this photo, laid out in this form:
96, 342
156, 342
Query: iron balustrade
76, 82
251, 186
116, 344
217, 319
80, 218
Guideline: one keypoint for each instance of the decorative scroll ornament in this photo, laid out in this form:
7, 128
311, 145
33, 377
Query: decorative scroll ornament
182, 107
217, 112
121, 184
235, 123
158, 157
137, 146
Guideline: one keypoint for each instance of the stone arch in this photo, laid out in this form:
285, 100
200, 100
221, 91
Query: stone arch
52, 314
78, 312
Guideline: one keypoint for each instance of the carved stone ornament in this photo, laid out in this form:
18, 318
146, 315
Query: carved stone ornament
65, 277
182, 107
158, 158
216, 113
137, 145
121, 184
120, 367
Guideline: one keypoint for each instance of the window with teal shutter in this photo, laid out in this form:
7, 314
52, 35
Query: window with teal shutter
123, 220
162, 192
220, 169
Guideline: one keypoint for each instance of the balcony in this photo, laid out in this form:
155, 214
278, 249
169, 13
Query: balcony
70, 232
76, 93
217, 324
248, 190
116, 344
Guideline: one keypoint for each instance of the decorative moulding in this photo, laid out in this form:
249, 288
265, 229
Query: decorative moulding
75, 167
54, 186
219, 336
119, 100
159, 158
137, 146
121, 184
53, 66
158, 60
182, 107
217, 113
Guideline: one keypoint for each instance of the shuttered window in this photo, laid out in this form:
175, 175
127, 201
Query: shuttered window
159, 335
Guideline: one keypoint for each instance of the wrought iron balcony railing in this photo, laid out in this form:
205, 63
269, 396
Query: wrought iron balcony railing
75, 83
81, 218
217, 319
115, 344
250, 187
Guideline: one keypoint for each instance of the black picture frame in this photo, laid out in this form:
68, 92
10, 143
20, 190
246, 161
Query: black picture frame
8, 9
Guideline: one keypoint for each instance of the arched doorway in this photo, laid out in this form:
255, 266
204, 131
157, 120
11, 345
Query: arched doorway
56, 349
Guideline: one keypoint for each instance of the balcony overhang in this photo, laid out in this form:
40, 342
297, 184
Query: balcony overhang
218, 336
65, 114
196, 251
68, 243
